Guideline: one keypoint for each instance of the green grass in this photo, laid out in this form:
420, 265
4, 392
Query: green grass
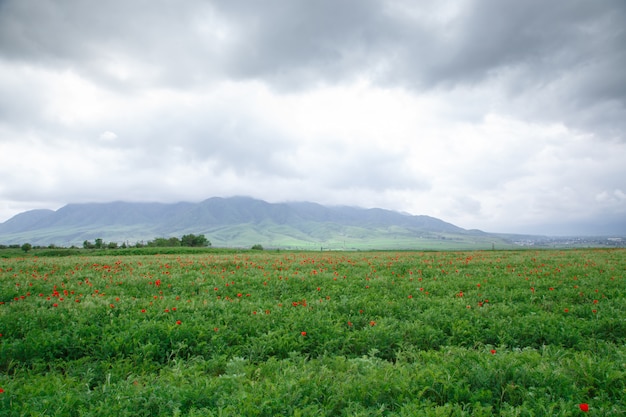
481, 333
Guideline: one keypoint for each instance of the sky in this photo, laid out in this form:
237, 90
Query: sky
499, 115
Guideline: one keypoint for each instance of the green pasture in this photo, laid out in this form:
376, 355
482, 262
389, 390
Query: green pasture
269, 333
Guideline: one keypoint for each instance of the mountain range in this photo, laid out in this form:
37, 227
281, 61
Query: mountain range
241, 222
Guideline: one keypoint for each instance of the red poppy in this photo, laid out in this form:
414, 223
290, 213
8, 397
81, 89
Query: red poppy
372, 323
178, 322
584, 407
493, 351
1, 391
303, 333
143, 310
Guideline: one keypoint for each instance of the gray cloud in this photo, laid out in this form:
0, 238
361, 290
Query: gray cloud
444, 106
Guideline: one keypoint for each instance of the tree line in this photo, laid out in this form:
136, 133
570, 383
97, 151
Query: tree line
189, 240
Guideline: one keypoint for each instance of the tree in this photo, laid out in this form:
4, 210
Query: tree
195, 241
258, 246
88, 245
159, 242
26, 247
99, 243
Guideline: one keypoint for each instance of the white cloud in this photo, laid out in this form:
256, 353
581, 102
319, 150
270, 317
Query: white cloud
502, 127
108, 136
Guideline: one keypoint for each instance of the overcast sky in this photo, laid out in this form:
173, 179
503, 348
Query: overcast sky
502, 115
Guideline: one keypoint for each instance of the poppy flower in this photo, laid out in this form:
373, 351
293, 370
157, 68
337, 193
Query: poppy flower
179, 322
1, 391
493, 351
584, 407
303, 333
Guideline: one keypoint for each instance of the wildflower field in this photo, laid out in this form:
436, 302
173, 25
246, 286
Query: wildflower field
259, 333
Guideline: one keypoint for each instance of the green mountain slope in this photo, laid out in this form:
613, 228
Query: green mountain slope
241, 222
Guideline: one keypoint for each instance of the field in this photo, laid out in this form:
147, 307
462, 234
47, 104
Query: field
260, 333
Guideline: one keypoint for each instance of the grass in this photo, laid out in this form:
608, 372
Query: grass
481, 333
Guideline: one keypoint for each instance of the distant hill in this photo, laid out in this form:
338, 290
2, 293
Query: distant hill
241, 222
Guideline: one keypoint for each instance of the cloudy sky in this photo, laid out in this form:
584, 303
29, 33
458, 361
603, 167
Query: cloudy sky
502, 115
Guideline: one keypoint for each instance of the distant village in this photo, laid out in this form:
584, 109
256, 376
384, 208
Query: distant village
573, 241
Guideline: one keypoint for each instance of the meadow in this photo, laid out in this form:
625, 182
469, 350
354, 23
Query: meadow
260, 333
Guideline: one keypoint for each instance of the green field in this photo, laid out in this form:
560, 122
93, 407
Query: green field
259, 333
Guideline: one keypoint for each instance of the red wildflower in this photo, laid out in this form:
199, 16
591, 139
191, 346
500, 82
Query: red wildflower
372, 323
493, 351
584, 407
1, 391
303, 333
178, 322
143, 310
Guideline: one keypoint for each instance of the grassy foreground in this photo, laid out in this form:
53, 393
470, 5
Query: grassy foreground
519, 333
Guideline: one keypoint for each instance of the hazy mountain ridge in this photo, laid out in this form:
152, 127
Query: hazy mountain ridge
234, 221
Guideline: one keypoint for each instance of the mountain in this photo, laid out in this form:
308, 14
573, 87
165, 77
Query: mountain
240, 222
